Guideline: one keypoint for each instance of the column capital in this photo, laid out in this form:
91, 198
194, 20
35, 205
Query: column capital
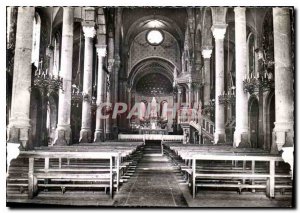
206, 52
101, 50
89, 31
280, 11
179, 89
239, 9
219, 31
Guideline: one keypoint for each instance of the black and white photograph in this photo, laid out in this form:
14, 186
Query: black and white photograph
150, 106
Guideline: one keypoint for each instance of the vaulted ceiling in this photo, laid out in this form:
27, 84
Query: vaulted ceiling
136, 20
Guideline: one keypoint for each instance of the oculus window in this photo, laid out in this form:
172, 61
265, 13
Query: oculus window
155, 37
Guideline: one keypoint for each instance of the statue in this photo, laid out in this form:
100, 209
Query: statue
186, 137
153, 111
153, 114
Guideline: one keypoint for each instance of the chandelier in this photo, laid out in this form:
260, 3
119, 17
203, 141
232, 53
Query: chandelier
46, 82
264, 80
209, 108
227, 98
76, 96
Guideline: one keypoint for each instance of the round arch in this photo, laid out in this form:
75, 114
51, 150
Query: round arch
269, 118
253, 114
146, 66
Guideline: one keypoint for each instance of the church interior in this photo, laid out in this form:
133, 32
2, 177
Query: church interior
150, 106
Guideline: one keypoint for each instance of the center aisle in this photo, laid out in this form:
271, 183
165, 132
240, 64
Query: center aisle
154, 183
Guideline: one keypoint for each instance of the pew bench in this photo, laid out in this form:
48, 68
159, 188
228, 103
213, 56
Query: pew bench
213, 168
70, 177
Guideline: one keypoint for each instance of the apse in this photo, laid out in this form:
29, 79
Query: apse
154, 84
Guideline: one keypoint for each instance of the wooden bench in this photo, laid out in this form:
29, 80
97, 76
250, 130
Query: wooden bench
193, 158
60, 176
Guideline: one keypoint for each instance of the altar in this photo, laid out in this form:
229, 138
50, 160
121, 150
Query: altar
153, 124
153, 131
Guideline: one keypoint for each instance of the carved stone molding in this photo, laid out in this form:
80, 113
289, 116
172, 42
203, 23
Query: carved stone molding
219, 31
89, 31
101, 50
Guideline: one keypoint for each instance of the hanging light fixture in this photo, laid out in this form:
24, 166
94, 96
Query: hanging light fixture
45, 82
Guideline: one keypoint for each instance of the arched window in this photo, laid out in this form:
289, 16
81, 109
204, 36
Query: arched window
251, 54
56, 56
36, 40
164, 110
142, 111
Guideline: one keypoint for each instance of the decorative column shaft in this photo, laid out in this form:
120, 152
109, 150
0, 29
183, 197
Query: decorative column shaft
85, 133
63, 130
99, 132
241, 130
190, 93
179, 94
284, 93
108, 129
206, 53
19, 129
56, 59
219, 33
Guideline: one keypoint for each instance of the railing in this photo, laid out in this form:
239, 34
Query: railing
185, 115
143, 137
208, 128
200, 122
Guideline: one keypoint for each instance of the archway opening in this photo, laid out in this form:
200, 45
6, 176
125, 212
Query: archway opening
254, 124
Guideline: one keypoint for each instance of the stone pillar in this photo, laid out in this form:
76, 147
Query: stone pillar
19, 129
129, 98
56, 59
197, 95
86, 121
63, 130
108, 129
116, 94
190, 95
99, 132
283, 133
206, 54
179, 94
219, 33
241, 134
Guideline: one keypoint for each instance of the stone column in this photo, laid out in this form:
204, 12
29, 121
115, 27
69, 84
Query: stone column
56, 59
19, 129
283, 133
219, 33
190, 93
111, 61
179, 94
197, 95
108, 129
85, 133
99, 132
206, 54
63, 130
241, 134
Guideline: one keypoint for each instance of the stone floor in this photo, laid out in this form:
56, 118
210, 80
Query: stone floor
153, 184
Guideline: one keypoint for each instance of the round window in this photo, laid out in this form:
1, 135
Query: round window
155, 37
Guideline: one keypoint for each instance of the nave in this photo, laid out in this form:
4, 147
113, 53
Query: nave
149, 179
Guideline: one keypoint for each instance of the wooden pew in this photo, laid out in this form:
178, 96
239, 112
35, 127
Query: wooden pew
130, 152
271, 159
62, 174
202, 172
